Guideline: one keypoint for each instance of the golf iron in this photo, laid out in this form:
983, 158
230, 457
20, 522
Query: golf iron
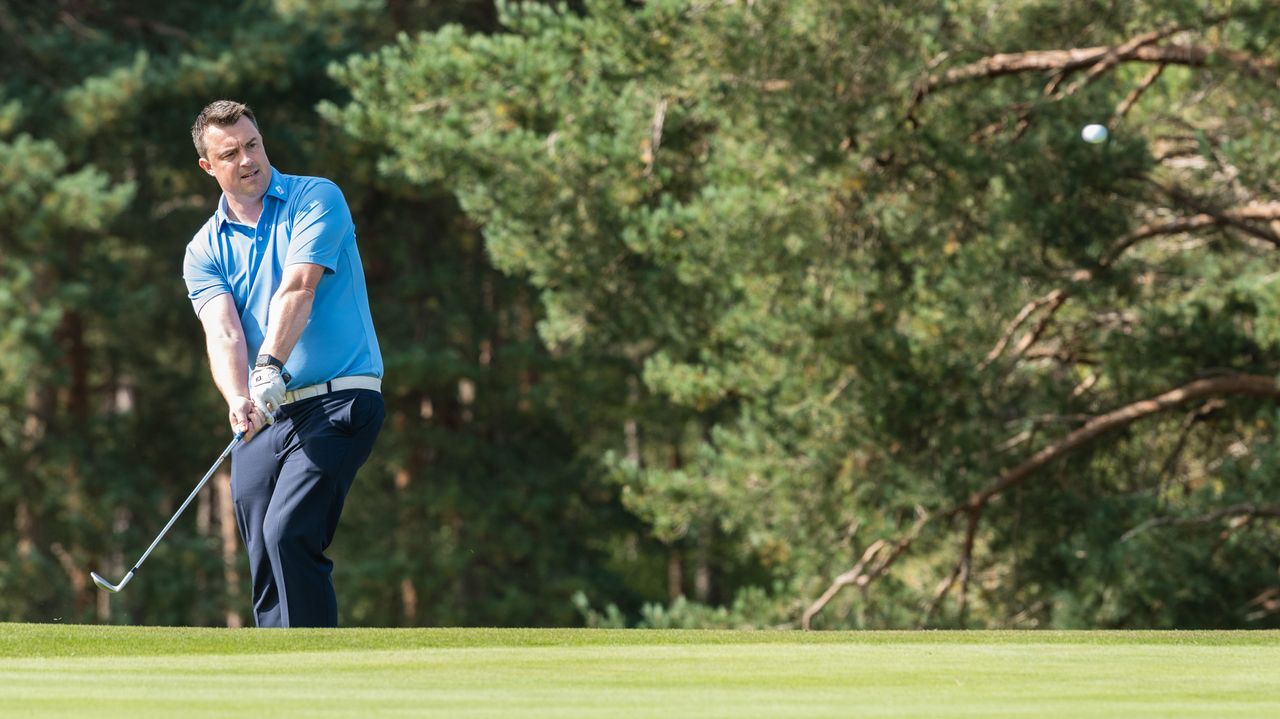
104, 584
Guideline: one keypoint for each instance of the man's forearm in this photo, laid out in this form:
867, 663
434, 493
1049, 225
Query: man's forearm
290, 311
228, 362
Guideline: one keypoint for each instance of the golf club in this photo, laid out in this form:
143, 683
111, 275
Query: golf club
104, 584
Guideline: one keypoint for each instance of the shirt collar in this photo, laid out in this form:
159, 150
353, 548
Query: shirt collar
277, 189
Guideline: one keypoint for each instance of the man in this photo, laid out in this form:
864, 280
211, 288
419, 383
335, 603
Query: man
277, 282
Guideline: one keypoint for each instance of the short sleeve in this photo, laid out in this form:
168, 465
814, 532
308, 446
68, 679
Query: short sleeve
321, 225
204, 280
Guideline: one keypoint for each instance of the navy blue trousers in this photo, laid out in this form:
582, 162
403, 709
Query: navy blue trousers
289, 484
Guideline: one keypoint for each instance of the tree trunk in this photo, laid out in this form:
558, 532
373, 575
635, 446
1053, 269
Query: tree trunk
702, 573
405, 544
675, 575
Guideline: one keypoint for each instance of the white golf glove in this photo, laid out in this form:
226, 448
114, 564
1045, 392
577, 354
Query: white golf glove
266, 389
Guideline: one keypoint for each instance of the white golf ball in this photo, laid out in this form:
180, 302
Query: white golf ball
1094, 134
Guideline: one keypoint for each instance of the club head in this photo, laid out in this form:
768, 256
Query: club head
104, 584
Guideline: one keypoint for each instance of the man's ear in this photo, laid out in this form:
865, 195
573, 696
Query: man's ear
206, 166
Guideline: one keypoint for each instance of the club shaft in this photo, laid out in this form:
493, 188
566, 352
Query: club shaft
190, 497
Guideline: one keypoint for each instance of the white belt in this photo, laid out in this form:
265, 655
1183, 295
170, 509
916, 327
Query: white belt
334, 385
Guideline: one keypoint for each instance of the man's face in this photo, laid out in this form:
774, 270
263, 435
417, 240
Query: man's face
236, 157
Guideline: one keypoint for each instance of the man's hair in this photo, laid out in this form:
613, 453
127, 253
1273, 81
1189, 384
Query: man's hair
220, 113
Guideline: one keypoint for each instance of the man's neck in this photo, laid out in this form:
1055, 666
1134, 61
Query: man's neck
244, 210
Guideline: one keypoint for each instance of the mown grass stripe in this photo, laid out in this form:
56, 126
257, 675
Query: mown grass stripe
612, 675
54, 640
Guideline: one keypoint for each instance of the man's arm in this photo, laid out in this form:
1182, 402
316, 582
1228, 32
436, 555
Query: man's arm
321, 226
291, 309
228, 361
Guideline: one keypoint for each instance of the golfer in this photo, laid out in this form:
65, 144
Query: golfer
276, 280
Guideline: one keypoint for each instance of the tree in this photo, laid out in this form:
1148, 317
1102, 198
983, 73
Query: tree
108, 415
879, 306
56, 221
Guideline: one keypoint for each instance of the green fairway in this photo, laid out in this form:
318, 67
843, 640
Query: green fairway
52, 670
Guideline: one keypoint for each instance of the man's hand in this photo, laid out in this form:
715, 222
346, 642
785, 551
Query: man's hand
244, 417
267, 389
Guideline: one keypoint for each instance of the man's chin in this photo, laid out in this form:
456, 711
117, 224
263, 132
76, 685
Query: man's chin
255, 185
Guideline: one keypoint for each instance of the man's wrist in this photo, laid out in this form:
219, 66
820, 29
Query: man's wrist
266, 360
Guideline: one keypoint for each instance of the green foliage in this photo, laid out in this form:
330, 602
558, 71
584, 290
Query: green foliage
752, 608
107, 414
803, 266
677, 299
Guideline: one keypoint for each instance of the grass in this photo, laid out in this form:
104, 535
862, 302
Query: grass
55, 670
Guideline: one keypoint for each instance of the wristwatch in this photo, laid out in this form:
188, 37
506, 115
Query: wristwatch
266, 360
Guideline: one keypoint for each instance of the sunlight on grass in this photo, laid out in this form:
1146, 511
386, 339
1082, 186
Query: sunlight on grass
120, 671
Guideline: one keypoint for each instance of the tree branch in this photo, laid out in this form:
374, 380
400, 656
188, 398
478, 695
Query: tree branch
1132, 98
1052, 89
1074, 59
1172, 227
1114, 57
1238, 511
1267, 603
862, 578
962, 571
1234, 384
1026, 311
1034, 334
1192, 391
1101, 58
1054, 300
943, 588
1197, 415
853, 576
1239, 217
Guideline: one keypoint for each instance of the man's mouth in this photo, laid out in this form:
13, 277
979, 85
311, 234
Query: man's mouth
251, 174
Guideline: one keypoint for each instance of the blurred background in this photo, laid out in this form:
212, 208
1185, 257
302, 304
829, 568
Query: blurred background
695, 313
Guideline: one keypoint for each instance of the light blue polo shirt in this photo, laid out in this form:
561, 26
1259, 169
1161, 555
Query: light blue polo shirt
304, 219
